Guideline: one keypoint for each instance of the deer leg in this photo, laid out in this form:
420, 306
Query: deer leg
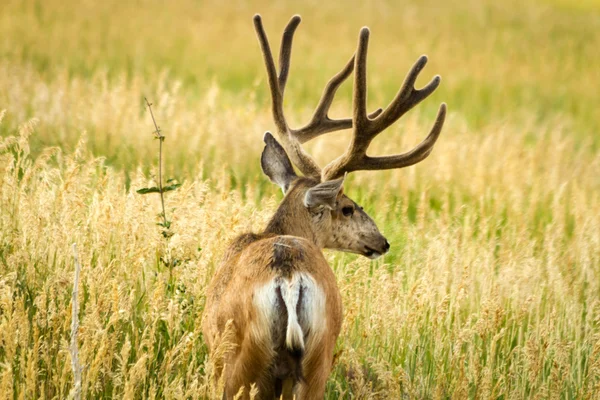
316, 366
250, 366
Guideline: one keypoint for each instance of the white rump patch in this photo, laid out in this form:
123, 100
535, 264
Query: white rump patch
312, 312
305, 303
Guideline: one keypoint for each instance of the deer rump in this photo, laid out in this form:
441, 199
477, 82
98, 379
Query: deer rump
293, 308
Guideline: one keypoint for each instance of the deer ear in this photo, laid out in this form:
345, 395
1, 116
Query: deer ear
324, 194
276, 164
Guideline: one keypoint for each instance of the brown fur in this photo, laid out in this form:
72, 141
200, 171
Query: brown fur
290, 245
229, 298
284, 336
251, 261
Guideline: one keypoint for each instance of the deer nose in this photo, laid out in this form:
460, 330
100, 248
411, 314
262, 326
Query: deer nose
386, 246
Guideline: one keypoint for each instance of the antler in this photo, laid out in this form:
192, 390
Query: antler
320, 123
365, 127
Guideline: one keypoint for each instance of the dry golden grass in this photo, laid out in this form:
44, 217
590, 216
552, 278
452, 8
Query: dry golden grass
492, 287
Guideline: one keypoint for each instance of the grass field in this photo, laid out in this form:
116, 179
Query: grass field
492, 286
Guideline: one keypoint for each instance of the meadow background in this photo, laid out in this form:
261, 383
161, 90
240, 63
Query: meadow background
492, 286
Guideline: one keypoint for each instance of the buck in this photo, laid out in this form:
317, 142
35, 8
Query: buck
275, 288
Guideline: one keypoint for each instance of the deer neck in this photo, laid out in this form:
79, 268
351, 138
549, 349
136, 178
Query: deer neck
292, 218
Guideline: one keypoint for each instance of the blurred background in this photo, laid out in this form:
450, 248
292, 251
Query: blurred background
510, 62
492, 285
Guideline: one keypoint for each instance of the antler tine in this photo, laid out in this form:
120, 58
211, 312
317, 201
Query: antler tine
365, 127
419, 153
320, 122
408, 96
359, 101
285, 53
276, 94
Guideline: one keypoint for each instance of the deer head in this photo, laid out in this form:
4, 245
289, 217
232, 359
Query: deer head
315, 206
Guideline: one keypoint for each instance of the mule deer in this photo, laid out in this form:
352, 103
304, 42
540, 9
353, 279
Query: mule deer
276, 286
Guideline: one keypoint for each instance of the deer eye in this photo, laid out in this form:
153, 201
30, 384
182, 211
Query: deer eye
348, 211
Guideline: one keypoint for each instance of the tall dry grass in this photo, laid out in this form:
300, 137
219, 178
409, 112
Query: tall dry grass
492, 287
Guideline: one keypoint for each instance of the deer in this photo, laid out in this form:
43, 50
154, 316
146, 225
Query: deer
275, 289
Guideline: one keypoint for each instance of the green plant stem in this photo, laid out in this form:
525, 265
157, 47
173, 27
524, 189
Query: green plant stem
160, 138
